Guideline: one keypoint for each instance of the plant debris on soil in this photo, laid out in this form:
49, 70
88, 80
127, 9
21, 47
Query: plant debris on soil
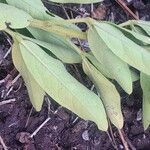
22, 128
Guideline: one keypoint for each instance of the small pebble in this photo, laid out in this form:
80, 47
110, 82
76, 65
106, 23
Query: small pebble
85, 135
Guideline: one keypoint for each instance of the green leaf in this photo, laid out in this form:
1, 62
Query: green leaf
99, 66
145, 84
135, 36
145, 25
13, 17
77, 1
134, 74
108, 93
38, 11
35, 8
138, 29
52, 76
118, 69
64, 53
36, 93
123, 47
2, 1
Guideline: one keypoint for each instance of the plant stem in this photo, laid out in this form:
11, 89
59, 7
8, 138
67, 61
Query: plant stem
123, 140
63, 30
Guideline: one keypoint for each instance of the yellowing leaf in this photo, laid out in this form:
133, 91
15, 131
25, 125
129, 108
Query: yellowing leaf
36, 93
145, 84
118, 69
52, 76
77, 1
123, 47
108, 93
13, 17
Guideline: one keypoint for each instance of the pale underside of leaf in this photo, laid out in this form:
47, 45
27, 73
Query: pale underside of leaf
52, 76
77, 1
62, 52
145, 84
108, 93
123, 47
13, 17
36, 93
117, 68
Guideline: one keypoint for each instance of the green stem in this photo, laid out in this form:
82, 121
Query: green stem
57, 29
127, 23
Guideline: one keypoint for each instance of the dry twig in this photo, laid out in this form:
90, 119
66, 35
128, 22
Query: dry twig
126, 9
7, 101
123, 139
38, 129
3, 144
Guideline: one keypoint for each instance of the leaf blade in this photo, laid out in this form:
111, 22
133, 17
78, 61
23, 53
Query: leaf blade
118, 69
13, 17
108, 93
145, 84
126, 49
36, 93
60, 85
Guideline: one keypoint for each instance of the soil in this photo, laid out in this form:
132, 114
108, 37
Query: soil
65, 130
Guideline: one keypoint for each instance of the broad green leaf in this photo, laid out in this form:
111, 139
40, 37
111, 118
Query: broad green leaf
134, 75
108, 93
67, 47
118, 69
36, 93
34, 7
123, 47
145, 84
52, 76
38, 11
77, 1
13, 17
65, 54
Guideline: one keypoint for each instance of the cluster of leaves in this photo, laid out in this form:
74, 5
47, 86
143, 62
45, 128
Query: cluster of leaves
42, 45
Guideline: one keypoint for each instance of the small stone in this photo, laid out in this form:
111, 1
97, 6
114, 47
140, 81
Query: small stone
23, 137
139, 115
85, 135
121, 146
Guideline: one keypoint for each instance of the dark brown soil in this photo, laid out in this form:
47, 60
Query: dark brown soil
64, 130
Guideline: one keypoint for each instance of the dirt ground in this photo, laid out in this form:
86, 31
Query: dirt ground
64, 130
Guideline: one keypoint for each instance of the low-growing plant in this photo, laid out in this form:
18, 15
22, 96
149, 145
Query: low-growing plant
42, 44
